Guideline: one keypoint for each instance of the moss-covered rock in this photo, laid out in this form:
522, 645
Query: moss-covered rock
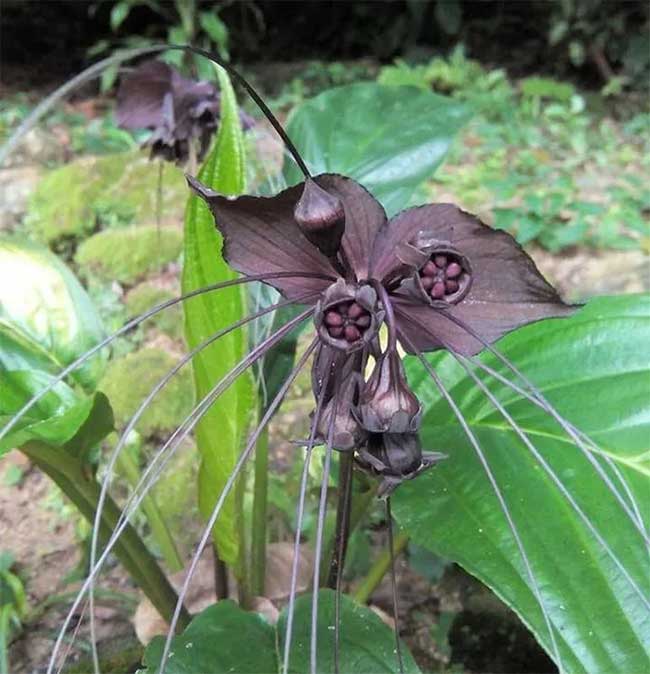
147, 295
128, 381
129, 254
115, 189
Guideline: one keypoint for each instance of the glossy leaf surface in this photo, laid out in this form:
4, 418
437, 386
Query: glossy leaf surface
390, 139
223, 638
219, 434
47, 319
594, 368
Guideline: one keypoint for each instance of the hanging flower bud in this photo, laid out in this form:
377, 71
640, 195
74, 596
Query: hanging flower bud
321, 218
348, 316
387, 404
347, 434
395, 457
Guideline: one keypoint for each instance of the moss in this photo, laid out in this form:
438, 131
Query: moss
148, 295
129, 380
111, 190
129, 254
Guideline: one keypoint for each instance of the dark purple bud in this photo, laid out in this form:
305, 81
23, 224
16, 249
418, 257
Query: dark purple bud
321, 218
347, 433
387, 404
394, 457
348, 316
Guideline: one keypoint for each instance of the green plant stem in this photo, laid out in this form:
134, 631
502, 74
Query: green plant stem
379, 570
83, 491
5, 617
260, 503
155, 519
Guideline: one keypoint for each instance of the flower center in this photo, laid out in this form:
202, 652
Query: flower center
443, 276
347, 320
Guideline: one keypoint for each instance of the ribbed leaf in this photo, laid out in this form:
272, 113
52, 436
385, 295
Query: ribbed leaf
595, 369
219, 435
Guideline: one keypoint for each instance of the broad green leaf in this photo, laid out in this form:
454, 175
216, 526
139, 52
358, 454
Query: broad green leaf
224, 638
390, 139
61, 418
595, 369
46, 318
221, 431
221, 639
367, 644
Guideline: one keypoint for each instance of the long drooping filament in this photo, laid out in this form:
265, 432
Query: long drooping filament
134, 322
134, 420
300, 510
393, 583
497, 492
243, 457
174, 441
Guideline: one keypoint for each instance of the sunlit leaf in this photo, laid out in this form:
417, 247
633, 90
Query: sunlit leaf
595, 369
390, 139
46, 318
219, 434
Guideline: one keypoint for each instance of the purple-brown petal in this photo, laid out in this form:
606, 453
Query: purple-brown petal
507, 291
141, 94
261, 236
364, 217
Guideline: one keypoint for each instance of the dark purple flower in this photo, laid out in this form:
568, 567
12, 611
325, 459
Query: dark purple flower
179, 111
437, 277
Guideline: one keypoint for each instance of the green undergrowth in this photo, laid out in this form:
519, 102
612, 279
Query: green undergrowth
540, 159
129, 379
90, 193
127, 255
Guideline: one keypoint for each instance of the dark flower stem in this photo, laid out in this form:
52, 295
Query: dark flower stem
390, 315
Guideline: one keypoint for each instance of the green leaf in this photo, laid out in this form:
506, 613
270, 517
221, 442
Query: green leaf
216, 30
224, 638
594, 368
61, 418
46, 318
388, 138
221, 639
221, 431
367, 644
119, 13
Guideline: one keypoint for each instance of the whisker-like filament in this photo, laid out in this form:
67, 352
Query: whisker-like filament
497, 492
594, 447
300, 511
318, 548
556, 480
393, 582
241, 461
134, 322
174, 441
566, 426
134, 420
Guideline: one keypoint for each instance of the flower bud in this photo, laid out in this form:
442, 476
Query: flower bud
321, 218
395, 457
348, 316
337, 415
387, 404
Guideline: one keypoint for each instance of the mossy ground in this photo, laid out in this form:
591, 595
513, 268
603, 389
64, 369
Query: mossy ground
129, 380
127, 255
91, 192
149, 294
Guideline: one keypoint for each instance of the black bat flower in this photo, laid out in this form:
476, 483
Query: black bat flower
435, 275
179, 111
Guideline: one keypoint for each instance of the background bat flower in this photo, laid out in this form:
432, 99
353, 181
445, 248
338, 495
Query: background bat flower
179, 111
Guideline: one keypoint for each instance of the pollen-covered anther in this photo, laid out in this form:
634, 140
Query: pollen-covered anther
445, 276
